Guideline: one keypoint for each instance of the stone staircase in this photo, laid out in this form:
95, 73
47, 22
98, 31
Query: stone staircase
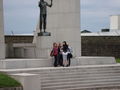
95, 77
81, 78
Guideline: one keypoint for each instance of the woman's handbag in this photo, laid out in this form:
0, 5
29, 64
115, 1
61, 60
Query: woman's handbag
70, 55
51, 53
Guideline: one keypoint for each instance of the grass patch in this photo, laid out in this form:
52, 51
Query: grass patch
7, 81
118, 60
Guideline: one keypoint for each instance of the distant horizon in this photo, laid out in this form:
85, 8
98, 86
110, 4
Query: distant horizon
20, 16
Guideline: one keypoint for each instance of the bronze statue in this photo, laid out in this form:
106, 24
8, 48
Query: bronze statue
43, 14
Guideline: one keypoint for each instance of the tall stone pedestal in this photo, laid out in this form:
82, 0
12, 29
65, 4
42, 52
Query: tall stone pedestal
43, 46
2, 43
63, 22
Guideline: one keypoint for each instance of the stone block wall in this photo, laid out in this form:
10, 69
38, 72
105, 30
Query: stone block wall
101, 46
91, 45
10, 39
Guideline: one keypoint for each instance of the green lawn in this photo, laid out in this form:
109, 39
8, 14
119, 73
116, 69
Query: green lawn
6, 81
118, 60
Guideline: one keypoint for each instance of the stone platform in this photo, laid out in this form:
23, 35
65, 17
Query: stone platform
25, 63
86, 60
89, 77
85, 73
36, 63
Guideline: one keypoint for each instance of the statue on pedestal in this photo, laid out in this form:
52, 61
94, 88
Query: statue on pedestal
43, 17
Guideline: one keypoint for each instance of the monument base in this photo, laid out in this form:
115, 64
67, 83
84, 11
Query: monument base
89, 60
44, 34
43, 46
38, 63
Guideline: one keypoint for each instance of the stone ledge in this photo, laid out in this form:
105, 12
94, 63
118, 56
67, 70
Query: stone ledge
29, 81
57, 68
89, 60
12, 88
37, 63
25, 63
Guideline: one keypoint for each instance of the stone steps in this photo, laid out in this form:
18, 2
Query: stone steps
81, 78
44, 70
80, 69
75, 78
59, 76
82, 82
110, 87
77, 71
86, 86
62, 75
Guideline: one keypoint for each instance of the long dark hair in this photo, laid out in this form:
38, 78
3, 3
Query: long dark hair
65, 42
65, 46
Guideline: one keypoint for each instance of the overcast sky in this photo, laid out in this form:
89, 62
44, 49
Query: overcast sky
96, 13
21, 16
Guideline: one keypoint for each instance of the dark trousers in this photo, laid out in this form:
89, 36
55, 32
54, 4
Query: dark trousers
69, 59
69, 62
55, 61
43, 18
60, 60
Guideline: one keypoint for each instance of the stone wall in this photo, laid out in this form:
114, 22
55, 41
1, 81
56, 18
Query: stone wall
101, 46
91, 45
18, 39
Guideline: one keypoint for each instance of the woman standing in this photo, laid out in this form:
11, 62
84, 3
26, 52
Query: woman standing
54, 53
60, 59
65, 53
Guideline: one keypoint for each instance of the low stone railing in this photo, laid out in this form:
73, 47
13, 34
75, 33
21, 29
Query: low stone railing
12, 88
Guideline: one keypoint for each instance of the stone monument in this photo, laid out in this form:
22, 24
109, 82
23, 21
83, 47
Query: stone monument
2, 43
63, 23
43, 17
